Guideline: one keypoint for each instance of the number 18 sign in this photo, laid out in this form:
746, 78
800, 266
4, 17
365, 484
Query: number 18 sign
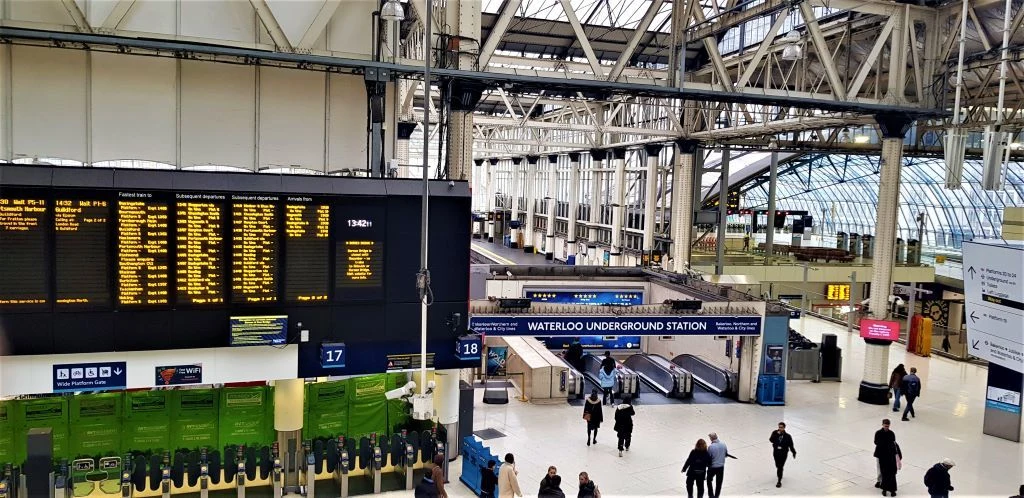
469, 347
332, 355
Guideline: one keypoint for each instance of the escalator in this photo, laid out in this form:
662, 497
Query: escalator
662, 375
627, 382
711, 377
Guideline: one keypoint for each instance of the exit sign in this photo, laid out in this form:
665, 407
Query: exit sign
332, 355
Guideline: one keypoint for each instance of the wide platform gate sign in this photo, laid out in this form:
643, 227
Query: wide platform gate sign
527, 325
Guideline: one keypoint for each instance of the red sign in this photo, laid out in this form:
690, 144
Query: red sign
879, 329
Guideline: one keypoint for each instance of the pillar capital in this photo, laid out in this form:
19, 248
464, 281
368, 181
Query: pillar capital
687, 146
618, 152
532, 159
552, 158
493, 161
574, 157
478, 162
893, 125
405, 130
517, 161
653, 149
599, 154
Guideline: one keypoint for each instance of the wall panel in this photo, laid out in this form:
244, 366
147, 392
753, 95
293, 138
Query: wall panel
218, 114
38, 11
291, 118
234, 21
154, 17
348, 135
134, 103
49, 101
295, 16
350, 30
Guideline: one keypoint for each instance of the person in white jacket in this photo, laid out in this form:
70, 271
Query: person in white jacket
508, 482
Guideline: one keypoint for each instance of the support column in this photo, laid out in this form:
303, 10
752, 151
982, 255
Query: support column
682, 202
7, 105
618, 205
874, 386
288, 402
651, 200
516, 192
402, 148
446, 405
465, 97
723, 212
479, 198
773, 181
598, 157
529, 238
376, 81
574, 206
552, 198
492, 183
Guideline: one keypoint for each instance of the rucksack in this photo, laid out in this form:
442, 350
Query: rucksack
928, 478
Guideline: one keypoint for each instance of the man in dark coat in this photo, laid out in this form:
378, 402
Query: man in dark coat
884, 439
782, 445
937, 479
426, 488
624, 425
574, 355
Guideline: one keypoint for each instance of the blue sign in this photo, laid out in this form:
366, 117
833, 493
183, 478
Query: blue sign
1006, 407
529, 325
259, 330
469, 347
332, 355
583, 296
75, 377
179, 375
595, 342
794, 314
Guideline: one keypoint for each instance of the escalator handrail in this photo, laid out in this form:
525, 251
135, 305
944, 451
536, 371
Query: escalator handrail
723, 381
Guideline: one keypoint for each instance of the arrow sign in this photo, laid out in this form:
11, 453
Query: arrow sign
102, 381
974, 345
117, 371
972, 271
974, 317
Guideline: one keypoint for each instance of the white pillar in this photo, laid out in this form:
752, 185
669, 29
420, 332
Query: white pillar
574, 203
651, 199
402, 148
288, 403
682, 202
492, 181
531, 201
446, 406
618, 204
517, 191
552, 197
598, 157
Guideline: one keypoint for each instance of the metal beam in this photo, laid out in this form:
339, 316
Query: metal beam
634, 41
711, 45
270, 22
762, 49
869, 62
316, 28
551, 125
581, 36
117, 14
508, 11
822, 49
76, 16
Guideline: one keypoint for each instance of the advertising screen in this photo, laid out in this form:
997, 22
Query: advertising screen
879, 329
626, 297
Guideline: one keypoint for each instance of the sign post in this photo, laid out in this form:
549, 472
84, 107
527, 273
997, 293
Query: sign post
994, 288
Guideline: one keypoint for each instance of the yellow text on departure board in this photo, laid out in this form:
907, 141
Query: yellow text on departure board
142, 257
21, 233
199, 262
254, 252
359, 254
838, 292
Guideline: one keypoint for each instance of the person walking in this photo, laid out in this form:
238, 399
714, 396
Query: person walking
552, 472
884, 439
718, 451
606, 377
593, 415
696, 467
624, 425
588, 488
607, 362
437, 475
1020, 492
426, 488
553, 488
896, 384
782, 445
574, 355
937, 478
911, 388
508, 480
488, 480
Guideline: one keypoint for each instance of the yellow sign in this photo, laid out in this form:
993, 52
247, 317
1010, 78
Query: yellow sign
838, 292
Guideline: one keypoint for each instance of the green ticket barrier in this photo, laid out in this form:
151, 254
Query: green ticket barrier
246, 416
367, 406
326, 410
41, 413
147, 422
196, 419
398, 409
95, 423
7, 427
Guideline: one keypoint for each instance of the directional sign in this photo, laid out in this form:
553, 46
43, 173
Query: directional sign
534, 325
994, 289
75, 377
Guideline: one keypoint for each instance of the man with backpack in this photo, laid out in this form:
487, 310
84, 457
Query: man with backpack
937, 479
911, 389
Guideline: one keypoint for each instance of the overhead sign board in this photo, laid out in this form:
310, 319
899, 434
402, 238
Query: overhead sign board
994, 291
333, 355
530, 325
77, 377
268, 330
179, 375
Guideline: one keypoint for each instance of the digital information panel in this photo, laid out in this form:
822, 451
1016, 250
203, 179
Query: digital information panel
22, 252
307, 250
82, 243
270, 330
142, 245
254, 249
199, 259
359, 252
594, 297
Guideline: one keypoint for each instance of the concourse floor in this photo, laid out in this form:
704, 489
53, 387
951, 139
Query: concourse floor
832, 433
502, 255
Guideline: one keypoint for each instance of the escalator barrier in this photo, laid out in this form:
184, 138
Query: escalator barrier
662, 375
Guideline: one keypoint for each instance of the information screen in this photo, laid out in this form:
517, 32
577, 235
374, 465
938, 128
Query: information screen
199, 258
307, 226
254, 249
142, 245
23, 252
82, 245
359, 250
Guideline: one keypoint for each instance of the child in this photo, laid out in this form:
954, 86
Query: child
488, 480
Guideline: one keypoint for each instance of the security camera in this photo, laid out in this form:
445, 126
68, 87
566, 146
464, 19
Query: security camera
402, 392
451, 184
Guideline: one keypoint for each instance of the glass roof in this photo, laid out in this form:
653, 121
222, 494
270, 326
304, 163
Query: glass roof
611, 13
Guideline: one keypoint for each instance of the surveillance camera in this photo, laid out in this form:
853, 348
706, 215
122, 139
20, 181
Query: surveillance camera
451, 184
401, 392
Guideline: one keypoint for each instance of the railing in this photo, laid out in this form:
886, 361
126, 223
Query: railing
720, 380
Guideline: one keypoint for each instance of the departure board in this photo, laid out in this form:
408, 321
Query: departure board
142, 245
254, 249
359, 250
307, 250
82, 244
23, 265
199, 259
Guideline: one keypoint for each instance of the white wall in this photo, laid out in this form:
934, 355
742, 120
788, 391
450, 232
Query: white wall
33, 374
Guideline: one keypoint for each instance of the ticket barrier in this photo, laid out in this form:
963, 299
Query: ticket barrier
407, 461
377, 464
240, 474
341, 472
308, 486
277, 473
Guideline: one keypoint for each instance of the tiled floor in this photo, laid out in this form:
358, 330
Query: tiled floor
832, 432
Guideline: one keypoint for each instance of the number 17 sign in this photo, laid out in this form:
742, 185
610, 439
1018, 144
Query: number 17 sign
332, 355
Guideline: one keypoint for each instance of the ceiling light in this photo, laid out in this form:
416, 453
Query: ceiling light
844, 136
792, 50
861, 139
392, 11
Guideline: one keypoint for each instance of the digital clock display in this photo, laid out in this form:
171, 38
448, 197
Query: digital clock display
360, 223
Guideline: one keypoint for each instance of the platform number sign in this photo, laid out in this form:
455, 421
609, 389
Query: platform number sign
469, 347
332, 355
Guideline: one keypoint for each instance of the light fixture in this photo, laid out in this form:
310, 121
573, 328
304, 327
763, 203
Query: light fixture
844, 136
392, 11
773, 143
792, 50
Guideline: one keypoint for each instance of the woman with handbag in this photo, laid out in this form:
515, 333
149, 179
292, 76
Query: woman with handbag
593, 415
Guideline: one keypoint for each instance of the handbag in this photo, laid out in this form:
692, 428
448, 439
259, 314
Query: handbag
890, 394
586, 416
899, 463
